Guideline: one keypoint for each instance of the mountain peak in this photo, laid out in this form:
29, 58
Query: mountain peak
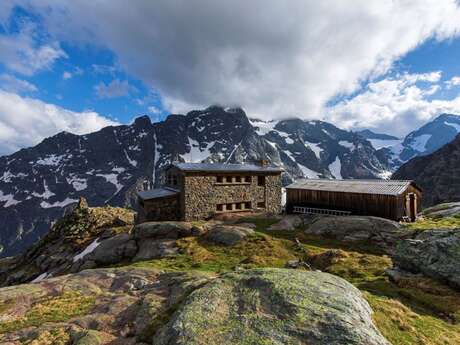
142, 121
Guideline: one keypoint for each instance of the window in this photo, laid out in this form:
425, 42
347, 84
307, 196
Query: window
261, 204
239, 206
219, 207
229, 207
220, 179
247, 205
175, 180
238, 179
261, 180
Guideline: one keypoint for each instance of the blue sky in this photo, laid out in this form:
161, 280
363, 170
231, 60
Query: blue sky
79, 66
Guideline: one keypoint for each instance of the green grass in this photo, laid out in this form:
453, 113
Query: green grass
51, 309
426, 223
417, 311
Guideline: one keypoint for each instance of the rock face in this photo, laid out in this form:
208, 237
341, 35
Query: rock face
438, 174
100, 306
227, 235
106, 167
378, 231
273, 306
434, 253
450, 209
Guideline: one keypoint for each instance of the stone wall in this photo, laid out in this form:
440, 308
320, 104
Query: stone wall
160, 209
201, 194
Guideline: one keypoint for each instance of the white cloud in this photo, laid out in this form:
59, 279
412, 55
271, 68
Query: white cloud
454, 81
115, 88
274, 58
66, 75
27, 121
10, 83
21, 53
394, 105
154, 110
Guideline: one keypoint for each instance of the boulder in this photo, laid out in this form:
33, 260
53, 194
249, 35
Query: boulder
434, 253
155, 249
113, 250
290, 222
378, 231
450, 209
171, 230
273, 306
228, 235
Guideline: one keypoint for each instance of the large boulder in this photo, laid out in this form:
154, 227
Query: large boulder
434, 253
382, 232
171, 230
273, 306
290, 222
450, 209
228, 235
113, 250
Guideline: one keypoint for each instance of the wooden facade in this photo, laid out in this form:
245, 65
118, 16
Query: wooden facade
391, 205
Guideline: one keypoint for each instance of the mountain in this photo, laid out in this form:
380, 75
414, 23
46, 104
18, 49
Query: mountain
438, 174
37, 184
423, 141
368, 134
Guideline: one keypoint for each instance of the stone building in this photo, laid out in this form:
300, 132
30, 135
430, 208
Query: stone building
194, 191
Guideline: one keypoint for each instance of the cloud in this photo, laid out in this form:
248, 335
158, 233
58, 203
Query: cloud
454, 81
395, 105
66, 75
274, 58
21, 53
10, 83
27, 121
154, 110
115, 88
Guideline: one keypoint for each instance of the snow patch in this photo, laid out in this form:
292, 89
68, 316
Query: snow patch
455, 125
196, 153
347, 144
131, 161
93, 245
9, 198
308, 173
315, 148
385, 174
46, 194
263, 127
113, 179
51, 160
419, 143
41, 277
67, 201
380, 143
335, 168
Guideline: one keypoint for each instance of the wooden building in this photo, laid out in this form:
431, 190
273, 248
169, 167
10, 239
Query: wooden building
391, 199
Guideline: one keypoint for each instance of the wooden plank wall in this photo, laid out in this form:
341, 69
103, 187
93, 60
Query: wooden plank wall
385, 206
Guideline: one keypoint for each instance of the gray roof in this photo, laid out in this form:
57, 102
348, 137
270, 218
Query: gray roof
157, 193
382, 187
221, 167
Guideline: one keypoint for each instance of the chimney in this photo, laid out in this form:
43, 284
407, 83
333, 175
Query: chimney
263, 163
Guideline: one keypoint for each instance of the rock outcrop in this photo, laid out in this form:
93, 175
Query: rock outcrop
273, 306
450, 209
228, 235
381, 232
434, 253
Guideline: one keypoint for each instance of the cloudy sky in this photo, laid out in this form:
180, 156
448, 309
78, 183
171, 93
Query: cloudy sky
81, 65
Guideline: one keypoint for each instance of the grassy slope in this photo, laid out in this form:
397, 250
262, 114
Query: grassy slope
418, 311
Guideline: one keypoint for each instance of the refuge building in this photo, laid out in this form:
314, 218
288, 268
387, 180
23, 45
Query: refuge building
195, 191
391, 199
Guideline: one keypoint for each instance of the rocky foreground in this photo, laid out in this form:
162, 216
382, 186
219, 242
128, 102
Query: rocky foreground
97, 278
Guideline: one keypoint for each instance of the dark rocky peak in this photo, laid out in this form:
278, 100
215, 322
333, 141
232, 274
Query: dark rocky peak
142, 122
368, 134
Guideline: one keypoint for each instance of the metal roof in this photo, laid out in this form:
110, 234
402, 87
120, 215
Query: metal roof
382, 187
157, 193
221, 167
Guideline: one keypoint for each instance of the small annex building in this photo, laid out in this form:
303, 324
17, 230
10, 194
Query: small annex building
196, 191
391, 199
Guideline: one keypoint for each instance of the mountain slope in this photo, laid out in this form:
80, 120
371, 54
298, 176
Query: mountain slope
438, 174
108, 166
424, 140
